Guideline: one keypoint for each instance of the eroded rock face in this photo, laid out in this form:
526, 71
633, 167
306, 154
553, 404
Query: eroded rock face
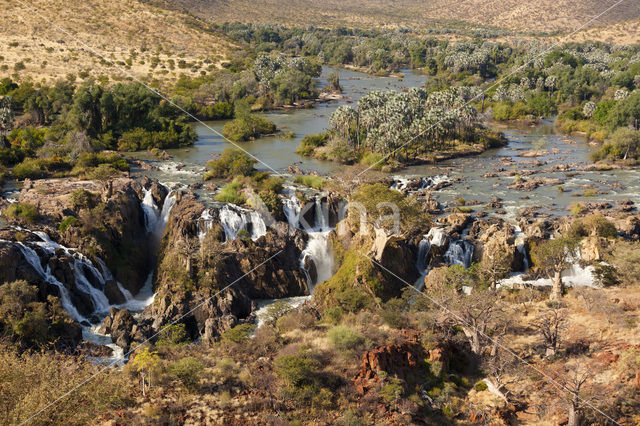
496, 245
115, 229
267, 268
457, 222
399, 360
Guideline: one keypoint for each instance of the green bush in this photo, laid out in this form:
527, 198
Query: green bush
333, 314
230, 193
606, 275
172, 336
29, 168
247, 126
345, 339
187, 370
392, 313
103, 172
238, 334
22, 211
66, 223
295, 370
480, 386
315, 182
232, 162
310, 142
82, 199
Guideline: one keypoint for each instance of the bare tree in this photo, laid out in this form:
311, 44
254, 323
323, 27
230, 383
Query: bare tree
502, 370
550, 324
475, 314
573, 382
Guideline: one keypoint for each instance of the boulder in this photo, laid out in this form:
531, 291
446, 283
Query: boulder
457, 222
398, 360
113, 293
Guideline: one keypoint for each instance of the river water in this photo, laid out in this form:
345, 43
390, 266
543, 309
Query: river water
469, 175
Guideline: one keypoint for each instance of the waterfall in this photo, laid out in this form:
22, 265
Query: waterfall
401, 183
34, 260
437, 237
151, 212
258, 226
204, 224
234, 220
161, 223
460, 252
520, 246
424, 248
322, 220
319, 252
291, 208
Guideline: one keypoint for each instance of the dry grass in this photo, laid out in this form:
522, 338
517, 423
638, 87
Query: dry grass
125, 32
546, 15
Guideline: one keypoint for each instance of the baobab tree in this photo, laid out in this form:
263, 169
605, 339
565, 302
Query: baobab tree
550, 325
554, 256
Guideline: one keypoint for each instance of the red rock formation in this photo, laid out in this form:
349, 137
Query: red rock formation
397, 360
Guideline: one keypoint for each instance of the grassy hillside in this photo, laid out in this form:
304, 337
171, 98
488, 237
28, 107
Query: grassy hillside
144, 39
538, 16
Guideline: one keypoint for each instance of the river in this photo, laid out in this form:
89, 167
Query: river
471, 181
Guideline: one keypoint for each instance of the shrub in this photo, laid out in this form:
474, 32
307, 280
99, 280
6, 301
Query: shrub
315, 182
82, 199
345, 339
480, 386
29, 168
606, 275
22, 211
598, 225
187, 370
246, 126
230, 193
295, 370
295, 320
103, 172
392, 313
333, 314
172, 335
231, 163
276, 310
66, 223
310, 142
577, 209
238, 334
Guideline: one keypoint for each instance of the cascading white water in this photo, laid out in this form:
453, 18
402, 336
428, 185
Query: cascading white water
161, 223
258, 227
204, 224
319, 252
322, 213
459, 253
151, 212
291, 208
520, 239
422, 265
234, 220
34, 260
437, 237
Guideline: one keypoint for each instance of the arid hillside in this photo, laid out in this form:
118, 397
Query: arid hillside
49, 39
536, 16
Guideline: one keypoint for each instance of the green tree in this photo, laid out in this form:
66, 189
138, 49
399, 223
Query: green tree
554, 256
147, 363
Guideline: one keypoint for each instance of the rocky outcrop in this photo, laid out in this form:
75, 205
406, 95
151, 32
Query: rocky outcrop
496, 246
113, 223
194, 265
399, 360
457, 222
